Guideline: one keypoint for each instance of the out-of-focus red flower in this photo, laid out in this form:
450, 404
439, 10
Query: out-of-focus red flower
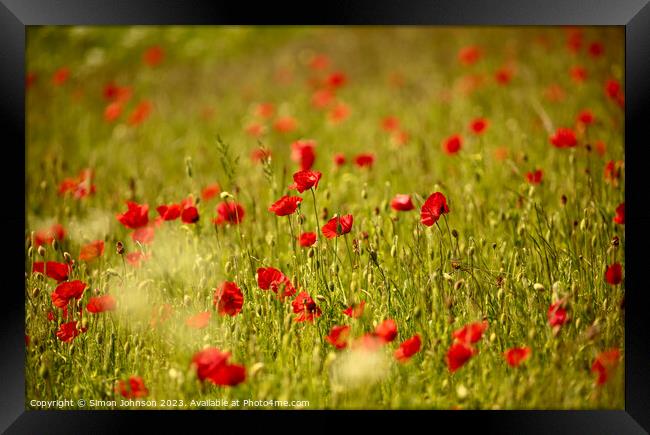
338, 336
479, 125
302, 152
30, 79
48, 235
153, 56
140, 113
408, 348
322, 98
614, 91
260, 155
516, 355
586, 117
620, 214
452, 144
355, 310
614, 274
434, 207
68, 331
601, 148
319, 62
337, 79
229, 212
210, 191
564, 138
132, 389
554, 93
169, 212
337, 226
92, 250
503, 75
305, 180
60, 76
386, 330
199, 321
557, 314
285, 206
400, 137
136, 216
265, 110
285, 124
390, 123
402, 202
578, 73
190, 215
269, 278
470, 333
115, 93
339, 159
228, 299
80, 187
160, 314
501, 153
458, 355
574, 39
305, 307
113, 111
57, 271
255, 129
604, 363
143, 235
338, 113
66, 291
535, 177
99, 304
307, 239
469, 55
364, 160
211, 364
134, 258
613, 172
368, 342
596, 49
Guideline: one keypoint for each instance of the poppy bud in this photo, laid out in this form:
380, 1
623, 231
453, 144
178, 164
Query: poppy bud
119, 247
41, 251
494, 245
55, 244
539, 287
225, 195
256, 368
35, 292
30, 251
67, 257
454, 233
321, 298
310, 253
325, 213
459, 284
615, 241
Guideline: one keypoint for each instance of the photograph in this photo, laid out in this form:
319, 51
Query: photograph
311, 217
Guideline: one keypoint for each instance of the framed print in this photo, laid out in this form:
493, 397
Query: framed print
376, 212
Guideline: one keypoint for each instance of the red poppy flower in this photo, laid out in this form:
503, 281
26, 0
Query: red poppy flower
503, 75
516, 355
285, 206
160, 314
386, 330
339, 159
270, 278
614, 274
305, 307
452, 144
400, 137
153, 56
604, 363
190, 215
132, 389
402, 203
307, 239
255, 129
535, 177
260, 155
143, 235
135, 217
458, 355
56, 271
390, 123
68, 331
586, 117
578, 74
228, 299
434, 207
305, 180
48, 235
408, 348
554, 93
134, 258
469, 55
337, 79
574, 39
620, 214
319, 62
470, 333
338, 113
364, 160
140, 113
199, 321
322, 98
169, 212
596, 49
479, 125
355, 310
285, 124
212, 364
113, 111
338, 226
92, 250
338, 336
557, 315
302, 152
601, 148
80, 187
564, 138
229, 212
60, 76
66, 291
265, 110
613, 172
614, 91
210, 191
99, 304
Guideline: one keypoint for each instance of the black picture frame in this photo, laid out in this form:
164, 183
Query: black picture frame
634, 15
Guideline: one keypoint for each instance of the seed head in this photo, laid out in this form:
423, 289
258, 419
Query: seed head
119, 247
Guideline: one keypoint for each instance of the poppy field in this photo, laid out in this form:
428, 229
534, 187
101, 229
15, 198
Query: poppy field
324, 218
